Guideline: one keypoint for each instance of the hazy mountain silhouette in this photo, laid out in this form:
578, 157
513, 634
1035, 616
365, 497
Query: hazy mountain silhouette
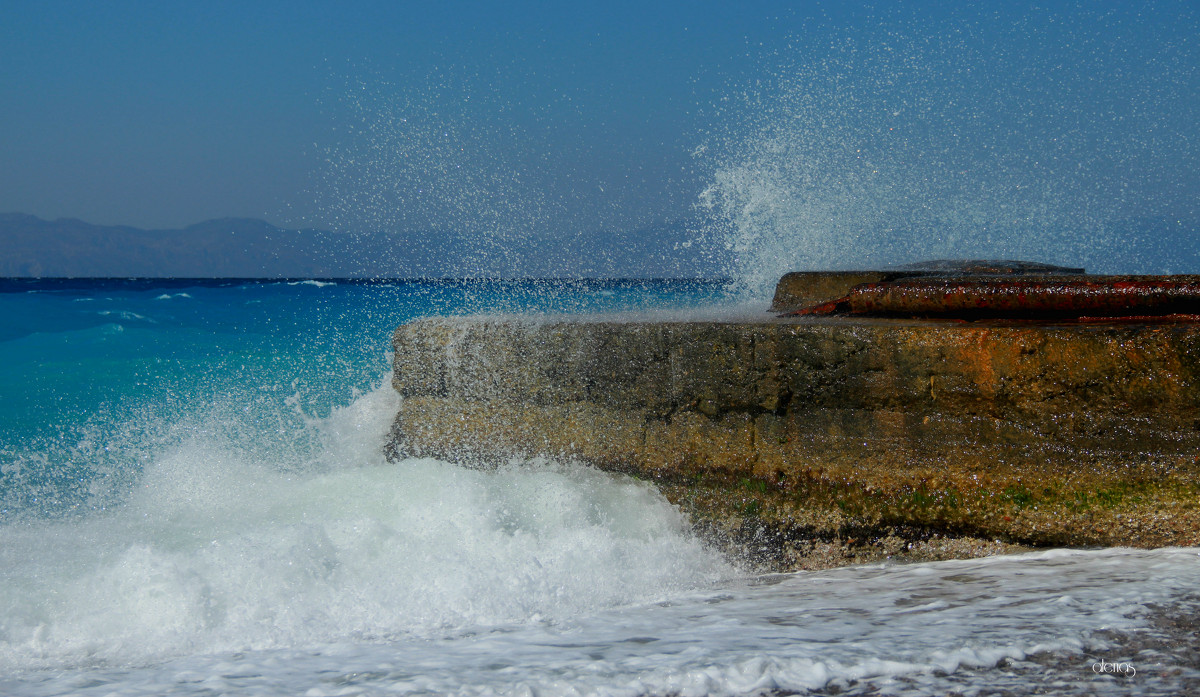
230, 247
248, 248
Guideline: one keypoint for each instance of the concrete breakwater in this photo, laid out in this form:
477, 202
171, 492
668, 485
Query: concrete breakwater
815, 441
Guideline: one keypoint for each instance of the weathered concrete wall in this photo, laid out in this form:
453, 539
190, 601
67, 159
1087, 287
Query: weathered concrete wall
844, 438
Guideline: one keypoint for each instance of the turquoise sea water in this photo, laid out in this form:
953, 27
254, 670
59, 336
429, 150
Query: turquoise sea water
99, 373
193, 501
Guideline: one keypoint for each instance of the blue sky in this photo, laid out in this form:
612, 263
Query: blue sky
162, 114
591, 116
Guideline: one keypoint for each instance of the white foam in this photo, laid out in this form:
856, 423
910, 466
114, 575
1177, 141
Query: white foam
216, 552
127, 315
902, 628
312, 282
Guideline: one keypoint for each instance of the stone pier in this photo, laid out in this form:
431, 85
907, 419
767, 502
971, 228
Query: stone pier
810, 441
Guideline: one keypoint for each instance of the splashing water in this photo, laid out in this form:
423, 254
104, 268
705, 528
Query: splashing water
441, 177
412, 164
897, 143
223, 488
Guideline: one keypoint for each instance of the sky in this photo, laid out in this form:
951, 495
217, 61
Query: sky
586, 117
163, 114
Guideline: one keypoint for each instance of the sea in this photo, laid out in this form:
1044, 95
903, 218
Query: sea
194, 501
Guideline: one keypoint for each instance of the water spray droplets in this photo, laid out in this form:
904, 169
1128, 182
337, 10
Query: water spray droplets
441, 185
890, 145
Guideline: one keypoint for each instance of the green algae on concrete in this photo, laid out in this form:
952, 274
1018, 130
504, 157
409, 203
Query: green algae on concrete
812, 442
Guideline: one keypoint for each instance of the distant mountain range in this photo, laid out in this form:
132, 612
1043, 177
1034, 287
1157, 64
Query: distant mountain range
248, 248
230, 247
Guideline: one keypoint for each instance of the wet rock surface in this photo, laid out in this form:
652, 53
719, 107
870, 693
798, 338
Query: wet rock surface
814, 442
940, 410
